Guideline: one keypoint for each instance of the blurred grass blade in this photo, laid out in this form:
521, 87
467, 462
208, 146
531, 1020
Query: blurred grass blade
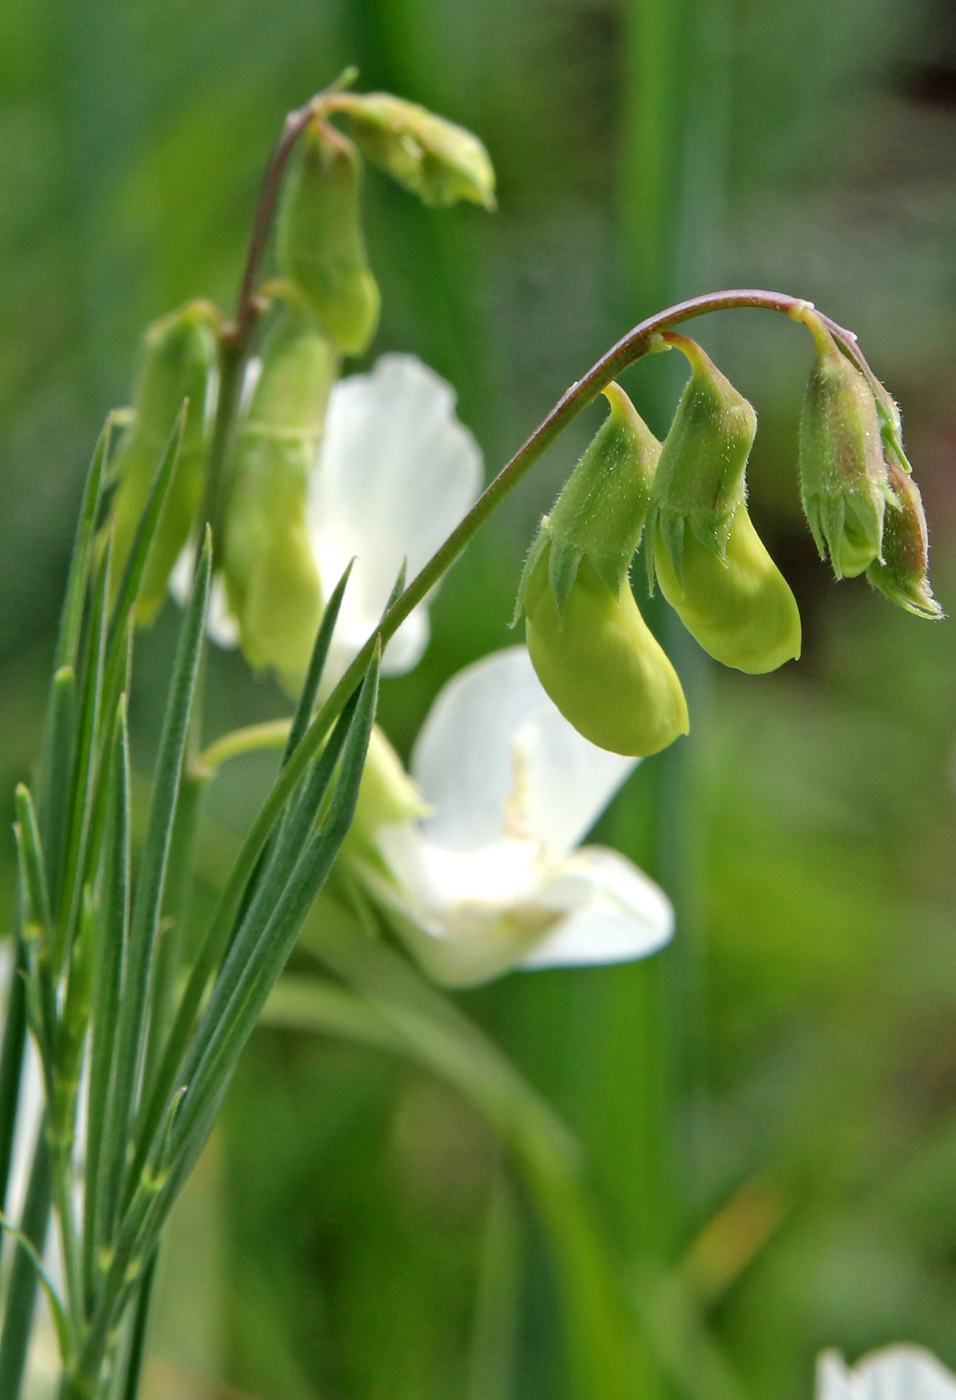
104, 1158
605, 1342
320, 653
77, 585
133, 1029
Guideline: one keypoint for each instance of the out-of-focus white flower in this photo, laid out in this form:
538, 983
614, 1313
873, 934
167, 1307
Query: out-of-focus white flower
395, 473
895, 1373
492, 878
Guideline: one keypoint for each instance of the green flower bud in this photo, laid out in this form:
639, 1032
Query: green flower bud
270, 570
738, 606
842, 466
901, 574
712, 566
178, 360
600, 663
590, 646
433, 158
321, 246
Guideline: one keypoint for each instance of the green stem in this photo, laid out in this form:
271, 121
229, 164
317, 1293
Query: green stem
271, 734
137, 1345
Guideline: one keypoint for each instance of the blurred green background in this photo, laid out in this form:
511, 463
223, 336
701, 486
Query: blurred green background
769, 1107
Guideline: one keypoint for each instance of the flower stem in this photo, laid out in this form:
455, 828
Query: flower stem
632, 347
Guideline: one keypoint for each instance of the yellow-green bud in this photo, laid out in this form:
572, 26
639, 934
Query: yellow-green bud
178, 361
842, 466
591, 649
712, 566
270, 569
321, 246
901, 574
601, 664
435, 159
739, 606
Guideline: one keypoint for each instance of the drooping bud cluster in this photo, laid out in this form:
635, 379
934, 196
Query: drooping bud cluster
588, 642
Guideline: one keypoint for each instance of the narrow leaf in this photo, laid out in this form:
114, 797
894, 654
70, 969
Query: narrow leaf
133, 1029
60, 1319
104, 1157
248, 976
56, 768
77, 584
320, 652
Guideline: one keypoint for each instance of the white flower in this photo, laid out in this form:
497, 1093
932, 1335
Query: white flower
395, 473
895, 1373
492, 877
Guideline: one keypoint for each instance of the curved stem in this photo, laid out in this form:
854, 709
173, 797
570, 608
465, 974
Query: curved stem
271, 734
632, 347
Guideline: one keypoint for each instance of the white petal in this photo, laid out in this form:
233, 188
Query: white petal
469, 916
396, 473
894, 1373
615, 913
466, 916
496, 758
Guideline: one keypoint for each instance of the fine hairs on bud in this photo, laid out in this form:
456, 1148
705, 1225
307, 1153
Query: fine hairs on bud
843, 476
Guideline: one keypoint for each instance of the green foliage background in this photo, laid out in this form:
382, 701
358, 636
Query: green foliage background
783, 1078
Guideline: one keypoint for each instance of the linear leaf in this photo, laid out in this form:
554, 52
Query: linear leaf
85, 757
77, 584
56, 768
35, 929
104, 1158
280, 869
320, 653
43, 1278
237, 999
132, 1032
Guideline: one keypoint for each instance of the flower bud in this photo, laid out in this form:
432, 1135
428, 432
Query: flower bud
842, 467
271, 574
712, 566
433, 158
901, 574
590, 646
321, 246
178, 361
